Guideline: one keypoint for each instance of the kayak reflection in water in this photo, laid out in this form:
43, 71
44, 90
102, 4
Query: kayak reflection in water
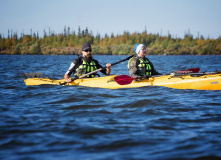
139, 66
85, 64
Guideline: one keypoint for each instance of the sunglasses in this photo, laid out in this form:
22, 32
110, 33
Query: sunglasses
87, 50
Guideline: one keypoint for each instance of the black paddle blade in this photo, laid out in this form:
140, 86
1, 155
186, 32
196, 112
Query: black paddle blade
123, 79
31, 75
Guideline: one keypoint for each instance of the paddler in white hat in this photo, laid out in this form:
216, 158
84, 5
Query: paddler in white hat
139, 66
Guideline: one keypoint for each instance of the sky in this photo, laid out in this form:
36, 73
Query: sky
177, 17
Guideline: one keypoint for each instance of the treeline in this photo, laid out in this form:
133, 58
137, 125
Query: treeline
69, 42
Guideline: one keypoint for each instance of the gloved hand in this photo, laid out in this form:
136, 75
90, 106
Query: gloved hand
146, 76
139, 77
142, 77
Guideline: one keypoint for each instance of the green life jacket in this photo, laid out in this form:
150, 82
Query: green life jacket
85, 68
143, 66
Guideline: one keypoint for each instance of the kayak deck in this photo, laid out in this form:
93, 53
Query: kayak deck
205, 82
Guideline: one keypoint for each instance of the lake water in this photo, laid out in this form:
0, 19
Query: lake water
72, 122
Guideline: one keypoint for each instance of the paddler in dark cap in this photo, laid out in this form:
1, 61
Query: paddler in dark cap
85, 64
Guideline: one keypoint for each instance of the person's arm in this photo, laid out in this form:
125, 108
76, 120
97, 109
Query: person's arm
133, 68
69, 72
105, 71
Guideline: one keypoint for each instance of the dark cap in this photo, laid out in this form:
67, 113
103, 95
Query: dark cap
85, 46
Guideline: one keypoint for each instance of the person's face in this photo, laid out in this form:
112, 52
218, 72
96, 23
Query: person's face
142, 52
87, 53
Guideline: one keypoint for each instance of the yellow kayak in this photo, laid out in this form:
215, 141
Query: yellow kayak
202, 82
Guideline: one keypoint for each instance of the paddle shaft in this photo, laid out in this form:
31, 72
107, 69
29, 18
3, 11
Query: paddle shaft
90, 73
104, 67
